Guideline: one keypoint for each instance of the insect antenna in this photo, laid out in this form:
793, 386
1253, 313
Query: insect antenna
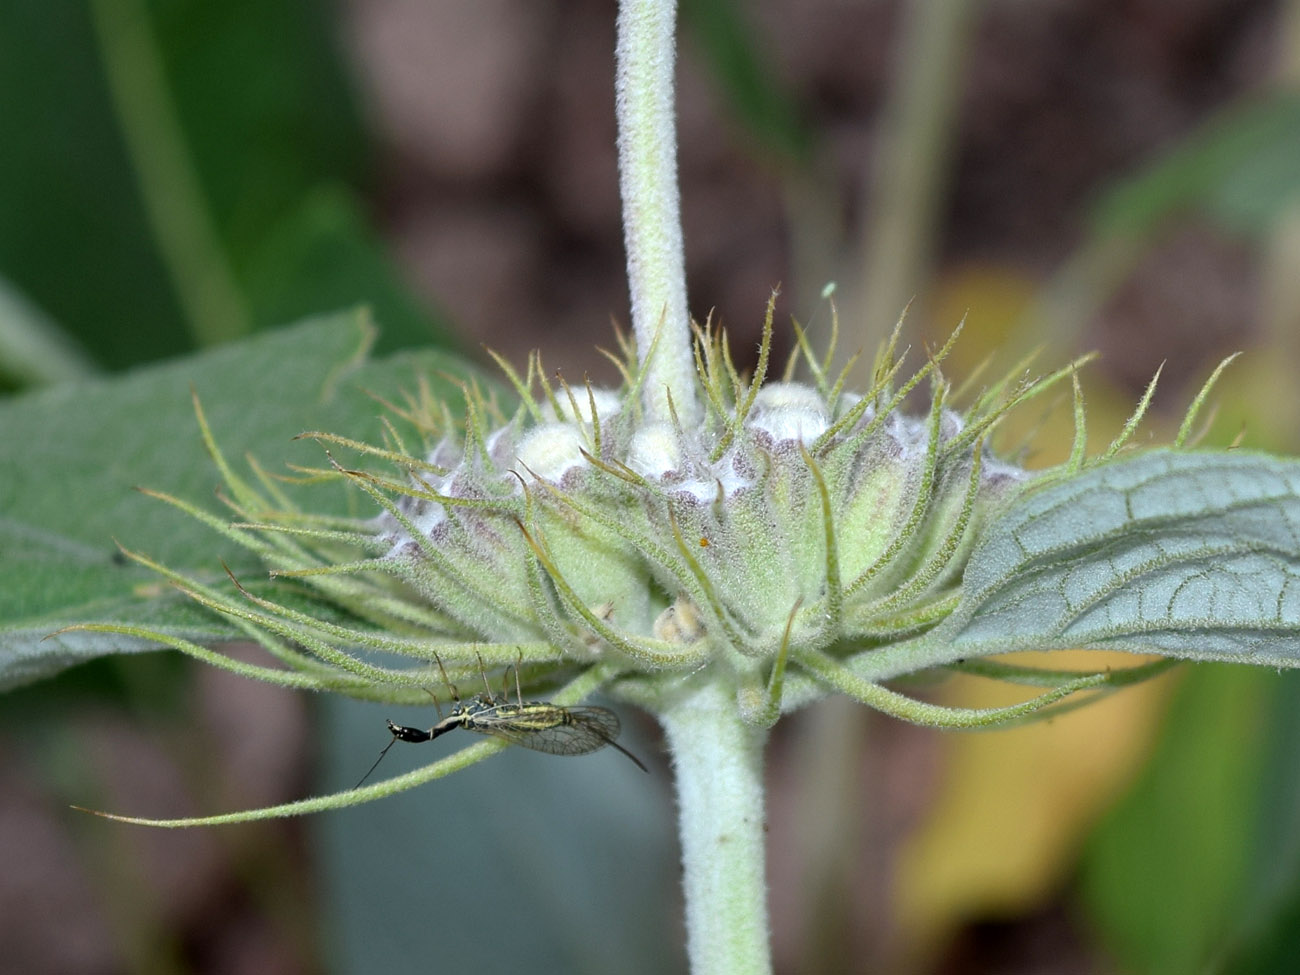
482, 671
408, 734
636, 761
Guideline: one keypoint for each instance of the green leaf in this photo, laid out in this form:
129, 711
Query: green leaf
323, 256
757, 98
70, 457
1190, 554
1164, 870
1238, 168
1267, 935
1273, 952
266, 104
262, 113
1197, 869
73, 237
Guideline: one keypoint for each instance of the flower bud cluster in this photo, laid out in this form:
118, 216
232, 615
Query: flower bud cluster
792, 516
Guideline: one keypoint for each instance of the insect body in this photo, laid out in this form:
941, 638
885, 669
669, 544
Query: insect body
538, 725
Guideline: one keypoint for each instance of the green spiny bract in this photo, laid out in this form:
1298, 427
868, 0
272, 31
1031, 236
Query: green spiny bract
664, 546
576, 545
574, 534
594, 548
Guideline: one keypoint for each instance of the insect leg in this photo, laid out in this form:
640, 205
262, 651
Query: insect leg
636, 760
483, 673
455, 696
399, 734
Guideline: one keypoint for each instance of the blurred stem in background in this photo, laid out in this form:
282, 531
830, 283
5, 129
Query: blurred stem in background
166, 177
905, 188
911, 174
1198, 176
1280, 290
34, 351
759, 99
832, 748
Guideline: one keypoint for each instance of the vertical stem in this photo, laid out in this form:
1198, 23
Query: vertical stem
652, 222
718, 761
1280, 286
909, 186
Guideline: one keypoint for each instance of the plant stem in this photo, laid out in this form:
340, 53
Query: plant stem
912, 173
718, 761
1279, 288
652, 222
34, 350
717, 758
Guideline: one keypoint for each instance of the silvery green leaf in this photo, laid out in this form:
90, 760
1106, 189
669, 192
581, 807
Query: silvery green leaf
1185, 553
71, 455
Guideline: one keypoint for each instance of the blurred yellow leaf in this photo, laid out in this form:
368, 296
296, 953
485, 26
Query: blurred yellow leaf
1015, 804
990, 300
1258, 400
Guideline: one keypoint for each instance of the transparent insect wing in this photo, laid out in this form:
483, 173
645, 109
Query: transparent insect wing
537, 725
549, 728
602, 721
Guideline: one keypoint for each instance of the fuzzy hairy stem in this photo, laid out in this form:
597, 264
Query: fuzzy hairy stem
652, 222
718, 762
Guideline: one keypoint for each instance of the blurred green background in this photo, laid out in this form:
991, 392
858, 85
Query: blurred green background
1073, 175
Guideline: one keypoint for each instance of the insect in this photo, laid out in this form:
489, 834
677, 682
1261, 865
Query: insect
539, 725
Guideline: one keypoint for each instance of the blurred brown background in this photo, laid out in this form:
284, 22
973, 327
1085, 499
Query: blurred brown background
499, 193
